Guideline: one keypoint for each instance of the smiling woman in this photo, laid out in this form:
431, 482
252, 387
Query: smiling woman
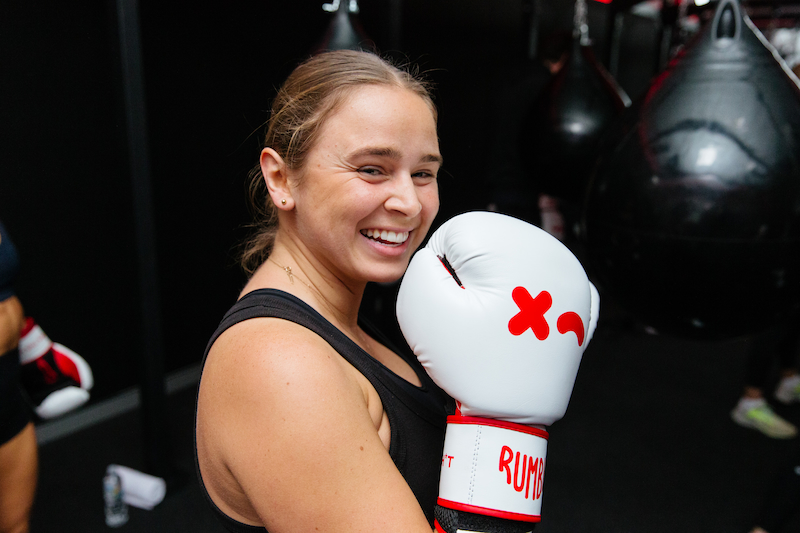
307, 419
314, 91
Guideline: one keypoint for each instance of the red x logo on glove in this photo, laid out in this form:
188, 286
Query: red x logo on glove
531, 315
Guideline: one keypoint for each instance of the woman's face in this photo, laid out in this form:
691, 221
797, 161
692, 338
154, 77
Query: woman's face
368, 192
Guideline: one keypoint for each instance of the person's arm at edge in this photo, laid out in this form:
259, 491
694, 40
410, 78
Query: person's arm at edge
294, 428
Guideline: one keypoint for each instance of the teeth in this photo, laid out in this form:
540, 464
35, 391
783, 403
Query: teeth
386, 236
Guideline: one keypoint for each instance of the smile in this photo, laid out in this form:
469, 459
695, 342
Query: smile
384, 236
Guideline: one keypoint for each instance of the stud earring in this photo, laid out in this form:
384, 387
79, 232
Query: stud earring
283, 202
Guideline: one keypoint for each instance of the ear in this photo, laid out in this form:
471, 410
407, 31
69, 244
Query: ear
276, 176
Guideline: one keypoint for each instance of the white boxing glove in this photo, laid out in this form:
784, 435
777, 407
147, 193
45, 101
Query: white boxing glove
499, 313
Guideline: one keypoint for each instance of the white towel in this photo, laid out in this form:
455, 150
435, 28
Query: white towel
139, 489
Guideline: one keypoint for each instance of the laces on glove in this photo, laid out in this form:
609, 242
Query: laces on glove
450, 269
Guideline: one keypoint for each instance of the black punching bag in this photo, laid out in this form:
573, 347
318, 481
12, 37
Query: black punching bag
344, 31
692, 220
560, 132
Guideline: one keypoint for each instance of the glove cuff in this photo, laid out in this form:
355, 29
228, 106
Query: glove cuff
493, 468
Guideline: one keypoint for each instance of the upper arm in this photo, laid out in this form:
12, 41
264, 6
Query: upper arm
293, 428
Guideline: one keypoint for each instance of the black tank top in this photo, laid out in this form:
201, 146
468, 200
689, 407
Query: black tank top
417, 415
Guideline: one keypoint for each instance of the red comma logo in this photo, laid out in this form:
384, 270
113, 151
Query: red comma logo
531, 315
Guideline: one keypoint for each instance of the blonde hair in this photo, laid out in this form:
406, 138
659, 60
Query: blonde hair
311, 94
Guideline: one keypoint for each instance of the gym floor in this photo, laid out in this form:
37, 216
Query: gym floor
647, 445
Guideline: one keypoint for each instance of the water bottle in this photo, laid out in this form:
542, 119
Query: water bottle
116, 508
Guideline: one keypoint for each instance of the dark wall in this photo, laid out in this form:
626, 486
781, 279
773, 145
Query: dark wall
64, 188
210, 71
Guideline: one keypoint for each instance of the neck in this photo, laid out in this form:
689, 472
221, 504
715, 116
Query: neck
292, 269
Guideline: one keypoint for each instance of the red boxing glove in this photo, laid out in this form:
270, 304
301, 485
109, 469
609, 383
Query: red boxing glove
56, 379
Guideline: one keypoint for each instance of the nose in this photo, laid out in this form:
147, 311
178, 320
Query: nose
403, 197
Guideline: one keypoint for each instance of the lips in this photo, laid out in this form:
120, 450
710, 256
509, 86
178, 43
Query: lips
386, 236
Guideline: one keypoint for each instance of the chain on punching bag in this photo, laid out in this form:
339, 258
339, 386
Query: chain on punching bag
692, 220
560, 132
344, 31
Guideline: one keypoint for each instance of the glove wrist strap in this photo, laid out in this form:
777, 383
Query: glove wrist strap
493, 468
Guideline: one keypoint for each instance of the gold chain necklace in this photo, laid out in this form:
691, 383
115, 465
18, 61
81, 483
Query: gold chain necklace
365, 344
291, 275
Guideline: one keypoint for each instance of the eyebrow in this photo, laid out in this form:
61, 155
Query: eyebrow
391, 153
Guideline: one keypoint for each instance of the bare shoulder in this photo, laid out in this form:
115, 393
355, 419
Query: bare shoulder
268, 368
263, 351
285, 437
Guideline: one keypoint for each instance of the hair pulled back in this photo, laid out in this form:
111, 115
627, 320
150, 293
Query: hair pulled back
311, 94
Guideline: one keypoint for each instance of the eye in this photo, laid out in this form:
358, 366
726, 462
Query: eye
424, 175
372, 172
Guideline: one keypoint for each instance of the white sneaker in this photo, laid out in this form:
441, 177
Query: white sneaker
788, 390
760, 416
